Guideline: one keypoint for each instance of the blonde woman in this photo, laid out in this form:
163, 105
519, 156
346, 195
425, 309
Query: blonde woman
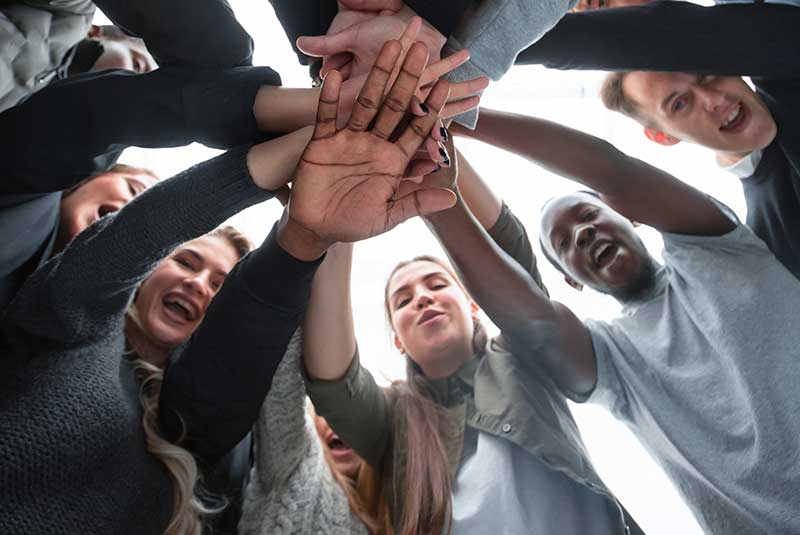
73, 453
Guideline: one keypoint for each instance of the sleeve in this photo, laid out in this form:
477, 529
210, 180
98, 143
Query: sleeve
304, 17
91, 118
216, 382
495, 33
666, 36
192, 33
83, 289
283, 431
74, 7
509, 233
608, 390
357, 408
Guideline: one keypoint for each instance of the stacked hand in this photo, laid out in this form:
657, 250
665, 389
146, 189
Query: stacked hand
346, 187
358, 32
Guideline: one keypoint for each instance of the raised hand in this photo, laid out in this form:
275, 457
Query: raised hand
346, 185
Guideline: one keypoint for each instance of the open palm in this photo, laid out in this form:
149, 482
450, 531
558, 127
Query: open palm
346, 184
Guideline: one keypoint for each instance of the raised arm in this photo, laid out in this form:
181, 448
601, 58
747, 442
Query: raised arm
179, 32
635, 189
132, 241
91, 118
675, 36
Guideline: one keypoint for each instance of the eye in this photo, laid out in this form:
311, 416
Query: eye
183, 262
680, 103
704, 78
401, 302
216, 285
132, 189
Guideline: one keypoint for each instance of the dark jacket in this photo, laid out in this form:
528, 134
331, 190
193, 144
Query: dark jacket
90, 120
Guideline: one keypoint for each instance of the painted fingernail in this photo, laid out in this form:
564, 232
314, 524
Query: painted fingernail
443, 131
443, 153
424, 107
446, 162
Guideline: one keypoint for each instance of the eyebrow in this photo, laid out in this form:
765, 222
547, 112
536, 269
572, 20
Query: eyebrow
200, 258
407, 286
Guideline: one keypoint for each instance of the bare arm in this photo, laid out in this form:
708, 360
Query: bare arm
514, 302
637, 190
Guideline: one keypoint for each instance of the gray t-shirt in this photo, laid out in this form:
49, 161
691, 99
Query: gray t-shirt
706, 372
500, 489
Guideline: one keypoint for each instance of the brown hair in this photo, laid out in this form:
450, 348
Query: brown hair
614, 98
148, 359
117, 168
421, 481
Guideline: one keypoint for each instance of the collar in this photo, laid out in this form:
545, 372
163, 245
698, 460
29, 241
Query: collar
452, 389
747, 165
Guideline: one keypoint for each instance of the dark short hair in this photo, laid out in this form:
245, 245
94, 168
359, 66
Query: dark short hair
614, 98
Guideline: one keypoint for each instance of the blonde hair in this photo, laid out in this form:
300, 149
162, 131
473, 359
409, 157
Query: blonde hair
421, 480
188, 509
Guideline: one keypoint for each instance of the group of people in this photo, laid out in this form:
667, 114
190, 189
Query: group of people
161, 375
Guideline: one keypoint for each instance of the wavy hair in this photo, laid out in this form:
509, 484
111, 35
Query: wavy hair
188, 509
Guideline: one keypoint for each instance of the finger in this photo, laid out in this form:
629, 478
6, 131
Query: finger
373, 5
417, 169
399, 97
371, 94
328, 106
419, 127
328, 45
421, 202
335, 63
439, 68
470, 87
458, 107
438, 133
416, 107
283, 195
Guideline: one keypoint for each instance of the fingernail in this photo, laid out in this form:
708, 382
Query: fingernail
424, 107
443, 131
446, 162
443, 153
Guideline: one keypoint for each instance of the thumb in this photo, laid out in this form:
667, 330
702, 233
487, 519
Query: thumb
420, 203
328, 45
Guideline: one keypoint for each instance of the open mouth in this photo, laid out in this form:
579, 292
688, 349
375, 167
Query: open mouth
604, 254
180, 308
338, 447
735, 119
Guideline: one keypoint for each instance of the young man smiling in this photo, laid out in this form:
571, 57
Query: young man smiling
678, 93
703, 363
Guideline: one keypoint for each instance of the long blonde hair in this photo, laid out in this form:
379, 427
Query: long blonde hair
420, 483
188, 509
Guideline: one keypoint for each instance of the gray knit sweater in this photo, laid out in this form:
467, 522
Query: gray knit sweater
72, 449
291, 489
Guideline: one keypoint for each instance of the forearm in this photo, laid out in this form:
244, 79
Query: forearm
329, 341
570, 153
271, 164
279, 109
165, 108
217, 384
478, 196
191, 33
668, 36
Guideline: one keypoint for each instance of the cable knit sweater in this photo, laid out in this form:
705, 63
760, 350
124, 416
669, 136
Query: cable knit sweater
72, 448
291, 489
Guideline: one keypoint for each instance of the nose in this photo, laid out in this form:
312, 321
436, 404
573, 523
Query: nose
423, 299
584, 235
198, 285
711, 98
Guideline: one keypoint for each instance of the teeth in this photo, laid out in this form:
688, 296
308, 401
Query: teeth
183, 304
733, 115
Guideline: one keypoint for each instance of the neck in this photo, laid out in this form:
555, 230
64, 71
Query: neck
447, 362
726, 159
642, 285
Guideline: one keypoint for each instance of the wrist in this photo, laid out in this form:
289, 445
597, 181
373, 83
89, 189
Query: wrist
298, 241
272, 163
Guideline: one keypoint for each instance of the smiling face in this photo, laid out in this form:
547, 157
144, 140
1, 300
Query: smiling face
172, 301
596, 246
345, 460
97, 197
718, 112
431, 316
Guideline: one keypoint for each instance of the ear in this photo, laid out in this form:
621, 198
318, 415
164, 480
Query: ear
95, 32
660, 137
572, 282
398, 345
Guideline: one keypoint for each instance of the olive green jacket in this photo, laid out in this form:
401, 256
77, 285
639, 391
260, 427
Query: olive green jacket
503, 393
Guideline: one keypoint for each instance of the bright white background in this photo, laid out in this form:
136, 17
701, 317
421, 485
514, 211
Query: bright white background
567, 97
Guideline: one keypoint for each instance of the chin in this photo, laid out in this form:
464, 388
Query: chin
166, 335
